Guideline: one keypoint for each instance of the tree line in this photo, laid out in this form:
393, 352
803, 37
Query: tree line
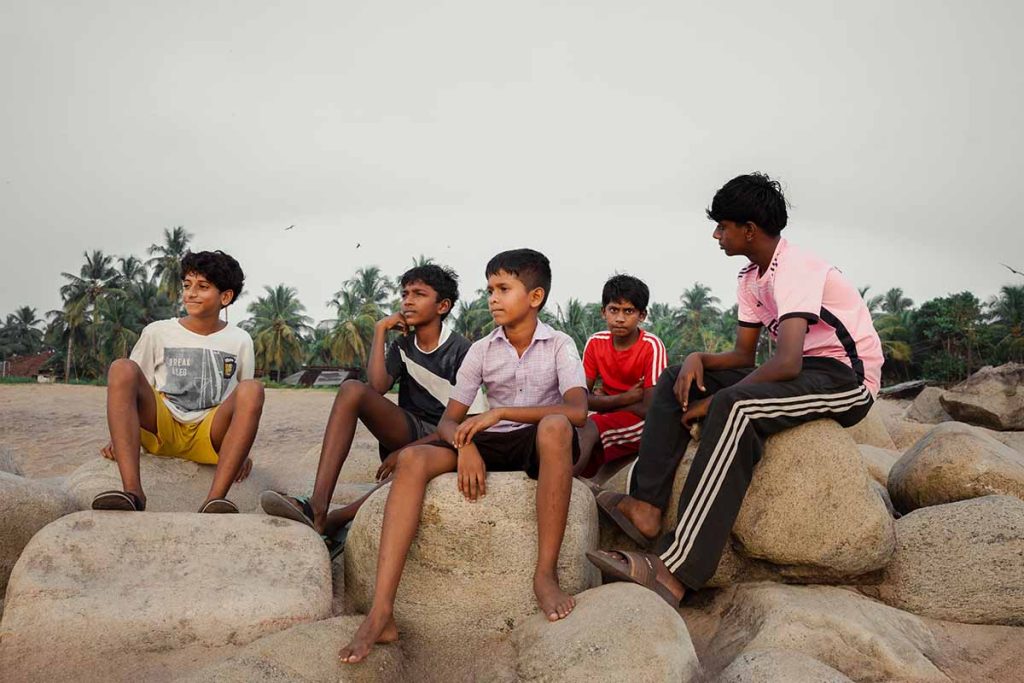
111, 298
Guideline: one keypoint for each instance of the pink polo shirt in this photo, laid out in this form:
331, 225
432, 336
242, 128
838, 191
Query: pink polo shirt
798, 284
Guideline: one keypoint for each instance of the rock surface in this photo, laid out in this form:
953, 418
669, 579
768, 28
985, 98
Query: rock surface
617, 632
992, 397
468, 578
878, 461
960, 562
863, 639
104, 595
307, 653
8, 463
954, 462
872, 430
781, 666
927, 407
26, 506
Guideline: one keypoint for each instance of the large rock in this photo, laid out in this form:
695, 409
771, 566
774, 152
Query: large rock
468, 578
960, 562
872, 430
992, 397
779, 666
928, 408
109, 596
863, 639
617, 632
9, 463
810, 514
307, 653
26, 506
878, 461
954, 462
905, 433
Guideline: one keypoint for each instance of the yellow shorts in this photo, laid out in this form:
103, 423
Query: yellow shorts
174, 439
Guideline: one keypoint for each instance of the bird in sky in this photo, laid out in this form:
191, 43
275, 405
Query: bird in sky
289, 227
1015, 272
358, 244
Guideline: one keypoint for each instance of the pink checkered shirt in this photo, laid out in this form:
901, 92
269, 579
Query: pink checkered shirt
550, 367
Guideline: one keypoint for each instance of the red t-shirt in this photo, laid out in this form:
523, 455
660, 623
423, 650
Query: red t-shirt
621, 370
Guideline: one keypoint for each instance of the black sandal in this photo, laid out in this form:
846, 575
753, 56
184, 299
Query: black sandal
281, 505
336, 542
118, 500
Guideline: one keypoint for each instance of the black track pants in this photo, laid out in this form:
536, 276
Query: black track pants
739, 419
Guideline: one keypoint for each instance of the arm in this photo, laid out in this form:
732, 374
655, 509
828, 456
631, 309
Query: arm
573, 407
377, 375
602, 403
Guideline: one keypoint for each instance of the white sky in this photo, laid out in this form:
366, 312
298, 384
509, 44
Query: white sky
596, 132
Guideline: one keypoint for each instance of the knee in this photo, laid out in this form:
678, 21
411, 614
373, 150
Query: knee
123, 371
554, 428
409, 462
351, 390
250, 393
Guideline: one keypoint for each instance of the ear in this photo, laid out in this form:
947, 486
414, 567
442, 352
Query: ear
536, 297
643, 316
444, 306
226, 297
750, 229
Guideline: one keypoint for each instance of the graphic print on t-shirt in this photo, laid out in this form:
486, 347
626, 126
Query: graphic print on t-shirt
197, 378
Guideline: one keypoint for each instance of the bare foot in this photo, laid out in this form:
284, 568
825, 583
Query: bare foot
374, 629
645, 517
244, 470
554, 602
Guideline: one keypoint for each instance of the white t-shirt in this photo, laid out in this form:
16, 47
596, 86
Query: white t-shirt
194, 372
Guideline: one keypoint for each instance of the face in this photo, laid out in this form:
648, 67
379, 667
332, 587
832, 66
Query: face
732, 237
201, 297
622, 318
508, 299
420, 304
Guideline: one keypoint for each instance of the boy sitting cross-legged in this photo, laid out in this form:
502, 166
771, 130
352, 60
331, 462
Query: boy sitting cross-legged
537, 391
187, 391
628, 360
424, 361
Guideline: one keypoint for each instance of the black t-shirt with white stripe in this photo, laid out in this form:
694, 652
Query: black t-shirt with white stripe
425, 380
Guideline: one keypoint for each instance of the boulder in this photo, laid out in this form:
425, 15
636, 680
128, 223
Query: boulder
872, 430
307, 653
928, 408
878, 461
26, 506
781, 666
906, 433
468, 578
110, 596
810, 514
9, 463
617, 632
954, 462
863, 639
961, 562
992, 397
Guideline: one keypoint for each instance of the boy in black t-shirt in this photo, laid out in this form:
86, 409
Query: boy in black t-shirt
424, 363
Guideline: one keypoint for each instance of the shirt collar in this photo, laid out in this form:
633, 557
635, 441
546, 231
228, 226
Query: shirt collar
543, 331
780, 249
446, 331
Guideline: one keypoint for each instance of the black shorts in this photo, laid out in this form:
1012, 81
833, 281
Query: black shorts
418, 428
514, 451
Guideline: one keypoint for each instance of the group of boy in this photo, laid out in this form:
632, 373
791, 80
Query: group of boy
522, 399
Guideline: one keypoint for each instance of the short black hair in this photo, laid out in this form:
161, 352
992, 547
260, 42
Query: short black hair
217, 267
531, 267
753, 197
443, 280
626, 288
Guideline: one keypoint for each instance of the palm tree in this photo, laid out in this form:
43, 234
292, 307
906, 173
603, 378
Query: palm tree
276, 326
21, 332
473, 318
352, 328
131, 270
166, 261
874, 303
370, 287
151, 303
698, 312
579, 321
117, 326
1007, 310
422, 260
96, 279
893, 302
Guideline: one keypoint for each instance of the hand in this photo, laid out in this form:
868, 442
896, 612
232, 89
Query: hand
634, 395
387, 466
108, 451
691, 372
599, 391
244, 470
472, 473
698, 411
465, 432
394, 321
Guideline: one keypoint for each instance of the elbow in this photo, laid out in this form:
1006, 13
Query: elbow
578, 418
792, 367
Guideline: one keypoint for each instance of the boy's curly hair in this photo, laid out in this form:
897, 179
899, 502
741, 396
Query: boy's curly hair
217, 267
443, 280
753, 197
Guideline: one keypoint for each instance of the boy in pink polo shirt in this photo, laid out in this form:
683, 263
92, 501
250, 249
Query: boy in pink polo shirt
827, 363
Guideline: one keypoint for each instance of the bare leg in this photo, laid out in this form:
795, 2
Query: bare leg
232, 433
590, 444
384, 419
645, 517
610, 469
343, 515
554, 486
131, 406
416, 467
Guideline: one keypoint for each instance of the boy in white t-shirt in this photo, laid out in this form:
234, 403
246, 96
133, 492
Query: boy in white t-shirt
187, 391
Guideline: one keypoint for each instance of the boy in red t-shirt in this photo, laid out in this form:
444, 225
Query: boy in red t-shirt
628, 360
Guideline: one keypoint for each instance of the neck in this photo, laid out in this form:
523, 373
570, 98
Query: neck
428, 336
626, 342
203, 325
761, 252
520, 333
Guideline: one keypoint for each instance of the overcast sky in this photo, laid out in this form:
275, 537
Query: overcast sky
596, 132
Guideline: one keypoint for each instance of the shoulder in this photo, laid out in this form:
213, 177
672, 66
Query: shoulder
456, 342
651, 340
597, 339
798, 259
235, 332
160, 328
561, 341
747, 271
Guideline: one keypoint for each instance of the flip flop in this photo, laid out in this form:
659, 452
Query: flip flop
219, 506
279, 505
640, 571
118, 500
336, 542
608, 505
